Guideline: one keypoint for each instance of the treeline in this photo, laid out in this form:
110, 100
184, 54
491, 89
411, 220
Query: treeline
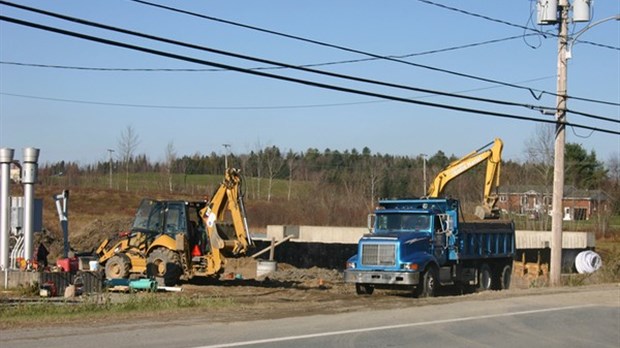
359, 173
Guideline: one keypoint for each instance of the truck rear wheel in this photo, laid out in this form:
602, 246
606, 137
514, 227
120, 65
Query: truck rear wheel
117, 267
364, 289
505, 278
501, 277
165, 266
484, 277
429, 282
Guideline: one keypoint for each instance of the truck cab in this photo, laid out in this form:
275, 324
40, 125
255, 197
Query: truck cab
419, 244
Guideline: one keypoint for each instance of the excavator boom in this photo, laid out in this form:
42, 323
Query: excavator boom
493, 158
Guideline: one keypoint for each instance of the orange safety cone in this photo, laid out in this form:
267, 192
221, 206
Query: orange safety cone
196, 251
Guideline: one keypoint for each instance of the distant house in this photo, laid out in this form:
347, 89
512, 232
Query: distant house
534, 201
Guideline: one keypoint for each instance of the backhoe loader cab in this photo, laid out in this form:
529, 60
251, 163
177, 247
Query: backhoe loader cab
171, 218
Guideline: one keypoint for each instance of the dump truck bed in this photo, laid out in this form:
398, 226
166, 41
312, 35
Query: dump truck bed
485, 239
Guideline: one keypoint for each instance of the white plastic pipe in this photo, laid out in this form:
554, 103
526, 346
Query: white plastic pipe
588, 262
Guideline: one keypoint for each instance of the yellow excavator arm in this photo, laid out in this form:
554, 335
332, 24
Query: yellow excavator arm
226, 200
493, 158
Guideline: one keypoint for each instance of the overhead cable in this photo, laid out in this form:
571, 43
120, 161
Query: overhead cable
532, 91
265, 61
186, 107
453, 48
271, 62
501, 21
291, 79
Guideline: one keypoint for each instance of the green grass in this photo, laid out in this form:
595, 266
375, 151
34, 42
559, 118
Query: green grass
102, 306
199, 184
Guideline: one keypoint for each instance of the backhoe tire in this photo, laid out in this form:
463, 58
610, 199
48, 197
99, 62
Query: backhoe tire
485, 278
364, 289
117, 267
429, 282
164, 265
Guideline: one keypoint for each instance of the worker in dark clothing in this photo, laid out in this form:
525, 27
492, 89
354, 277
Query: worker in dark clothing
42, 253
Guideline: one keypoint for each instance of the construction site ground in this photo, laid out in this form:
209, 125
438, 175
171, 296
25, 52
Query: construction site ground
288, 292
240, 295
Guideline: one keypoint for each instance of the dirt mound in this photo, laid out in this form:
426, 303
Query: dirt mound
89, 236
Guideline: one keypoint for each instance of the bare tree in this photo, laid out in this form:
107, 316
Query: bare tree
540, 150
171, 157
374, 168
274, 162
291, 159
259, 167
127, 145
613, 169
540, 153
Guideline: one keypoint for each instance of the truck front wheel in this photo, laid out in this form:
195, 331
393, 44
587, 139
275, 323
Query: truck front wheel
364, 289
428, 285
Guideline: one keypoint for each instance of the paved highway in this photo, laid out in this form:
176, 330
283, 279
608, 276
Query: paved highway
583, 318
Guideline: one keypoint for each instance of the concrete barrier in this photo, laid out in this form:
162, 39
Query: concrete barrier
331, 247
351, 235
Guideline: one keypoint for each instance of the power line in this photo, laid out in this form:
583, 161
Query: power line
585, 114
265, 61
289, 79
435, 92
375, 56
255, 107
408, 55
283, 66
185, 107
347, 49
181, 107
501, 21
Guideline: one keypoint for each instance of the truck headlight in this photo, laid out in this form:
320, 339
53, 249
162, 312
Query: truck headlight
411, 266
350, 264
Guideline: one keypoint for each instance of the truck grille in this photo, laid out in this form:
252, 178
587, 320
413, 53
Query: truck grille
378, 254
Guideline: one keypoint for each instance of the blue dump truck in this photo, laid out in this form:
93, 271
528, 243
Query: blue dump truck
422, 244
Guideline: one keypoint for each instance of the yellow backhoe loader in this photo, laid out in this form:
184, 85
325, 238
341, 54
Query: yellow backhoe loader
173, 240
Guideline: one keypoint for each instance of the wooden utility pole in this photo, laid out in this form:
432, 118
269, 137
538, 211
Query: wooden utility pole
558, 167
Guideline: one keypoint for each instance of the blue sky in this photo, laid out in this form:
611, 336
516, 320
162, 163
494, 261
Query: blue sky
74, 115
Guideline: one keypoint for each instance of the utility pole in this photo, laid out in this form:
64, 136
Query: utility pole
110, 152
560, 139
424, 173
548, 14
226, 146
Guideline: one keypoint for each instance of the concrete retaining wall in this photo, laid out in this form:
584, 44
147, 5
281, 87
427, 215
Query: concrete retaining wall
351, 235
331, 247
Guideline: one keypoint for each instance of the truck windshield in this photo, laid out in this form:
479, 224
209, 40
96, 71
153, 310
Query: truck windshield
402, 222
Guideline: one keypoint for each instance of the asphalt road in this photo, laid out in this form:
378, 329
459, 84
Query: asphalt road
581, 318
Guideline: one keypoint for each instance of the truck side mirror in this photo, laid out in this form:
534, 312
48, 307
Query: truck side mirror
371, 222
447, 223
